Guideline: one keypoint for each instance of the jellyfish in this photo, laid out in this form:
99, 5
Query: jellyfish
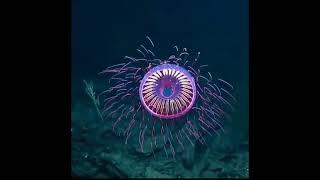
164, 103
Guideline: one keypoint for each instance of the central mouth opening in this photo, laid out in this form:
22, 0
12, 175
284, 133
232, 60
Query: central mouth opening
167, 91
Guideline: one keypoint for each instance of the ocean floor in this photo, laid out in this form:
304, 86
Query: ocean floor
99, 153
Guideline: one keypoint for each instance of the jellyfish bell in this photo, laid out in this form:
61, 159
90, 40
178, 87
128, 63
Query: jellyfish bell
167, 91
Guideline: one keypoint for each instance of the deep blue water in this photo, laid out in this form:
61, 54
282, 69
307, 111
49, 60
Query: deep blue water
103, 32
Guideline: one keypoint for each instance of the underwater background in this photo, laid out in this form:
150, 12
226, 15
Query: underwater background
103, 32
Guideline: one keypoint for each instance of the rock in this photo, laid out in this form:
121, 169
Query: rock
188, 157
111, 165
85, 169
124, 163
148, 150
223, 144
165, 166
199, 151
228, 157
151, 173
